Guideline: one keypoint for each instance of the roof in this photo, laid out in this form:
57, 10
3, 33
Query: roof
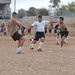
5, 1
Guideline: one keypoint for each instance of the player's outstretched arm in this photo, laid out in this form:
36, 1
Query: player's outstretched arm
29, 28
20, 24
53, 22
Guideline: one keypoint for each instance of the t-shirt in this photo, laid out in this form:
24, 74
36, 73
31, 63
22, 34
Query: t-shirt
12, 26
40, 26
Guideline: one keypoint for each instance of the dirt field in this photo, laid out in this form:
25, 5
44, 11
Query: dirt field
52, 61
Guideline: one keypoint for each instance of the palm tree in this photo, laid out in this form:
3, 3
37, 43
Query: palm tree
55, 2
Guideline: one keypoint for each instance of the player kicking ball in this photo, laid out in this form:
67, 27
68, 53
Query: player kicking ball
40, 32
12, 28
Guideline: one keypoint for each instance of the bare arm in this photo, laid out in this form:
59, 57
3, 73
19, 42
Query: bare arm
20, 24
52, 22
30, 27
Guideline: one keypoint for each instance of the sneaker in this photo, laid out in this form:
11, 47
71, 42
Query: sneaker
39, 50
65, 43
19, 50
57, 43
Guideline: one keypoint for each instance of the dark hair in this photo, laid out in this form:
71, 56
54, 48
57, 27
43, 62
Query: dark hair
61, 18
14, 13
39, 16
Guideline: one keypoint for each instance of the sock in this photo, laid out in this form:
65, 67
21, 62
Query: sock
40, 45
57, 40
65, 40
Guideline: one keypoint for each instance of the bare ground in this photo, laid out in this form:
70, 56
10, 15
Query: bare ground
52, 61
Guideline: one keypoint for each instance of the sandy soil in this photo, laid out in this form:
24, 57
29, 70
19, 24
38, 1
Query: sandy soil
52, 61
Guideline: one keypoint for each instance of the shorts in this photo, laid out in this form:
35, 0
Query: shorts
50, 30
16, 36
64, 34
29, 31
4, 33
39, 35
45, 31
55, 31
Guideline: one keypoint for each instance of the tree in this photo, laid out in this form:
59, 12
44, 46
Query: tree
63, 8
42, 11
21, 13
55, 3
31, 11
71, 6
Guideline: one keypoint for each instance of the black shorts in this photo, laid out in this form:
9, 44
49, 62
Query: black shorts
45, 31
64, 34
39, 35
50, 30
55, 31
16, 36
29, 31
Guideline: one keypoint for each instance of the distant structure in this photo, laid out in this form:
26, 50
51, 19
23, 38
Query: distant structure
5, 9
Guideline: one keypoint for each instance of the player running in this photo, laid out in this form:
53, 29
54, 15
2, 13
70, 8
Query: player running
63, 31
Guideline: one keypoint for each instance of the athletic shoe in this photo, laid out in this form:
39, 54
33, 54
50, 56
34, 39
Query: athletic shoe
57, 43
39, 50
65, 43
19, 50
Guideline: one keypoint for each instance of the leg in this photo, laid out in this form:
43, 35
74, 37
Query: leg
64, 36
34, 41
62, 41
21, 42
41, 43
57, 39
65, 42
16, 36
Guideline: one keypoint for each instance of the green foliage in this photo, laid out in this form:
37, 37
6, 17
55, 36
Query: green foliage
21, 13
63, 7
71, 6
55, 2
31, 11
42, 11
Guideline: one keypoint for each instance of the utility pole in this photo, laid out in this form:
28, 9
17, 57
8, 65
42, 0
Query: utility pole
14, 5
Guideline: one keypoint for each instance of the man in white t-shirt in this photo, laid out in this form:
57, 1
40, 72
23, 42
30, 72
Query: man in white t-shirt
40, 29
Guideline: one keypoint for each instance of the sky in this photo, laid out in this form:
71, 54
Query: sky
26, 4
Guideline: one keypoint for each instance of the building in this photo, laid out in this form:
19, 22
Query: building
5, 9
